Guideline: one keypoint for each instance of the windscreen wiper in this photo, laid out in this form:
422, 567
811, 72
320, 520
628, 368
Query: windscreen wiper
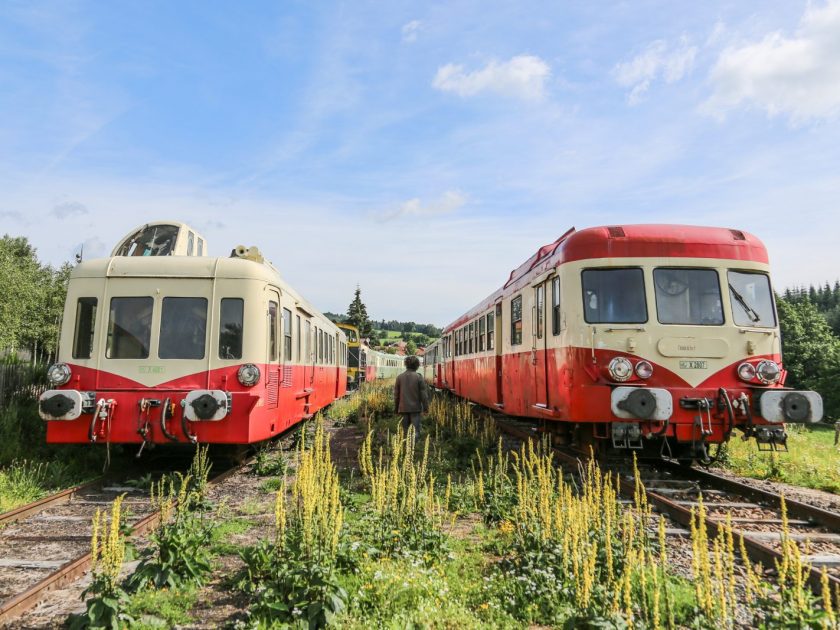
751, 312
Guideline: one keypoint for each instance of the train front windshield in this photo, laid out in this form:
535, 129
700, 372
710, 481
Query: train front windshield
352, 357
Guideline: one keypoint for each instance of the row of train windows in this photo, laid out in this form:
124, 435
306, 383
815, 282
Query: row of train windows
477, 336
318, 344
183, 326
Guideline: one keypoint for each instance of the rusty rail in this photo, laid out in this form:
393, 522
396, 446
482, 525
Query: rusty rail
74, 569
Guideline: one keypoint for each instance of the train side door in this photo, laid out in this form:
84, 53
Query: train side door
540, 346
494, 333
272, 377
307, 358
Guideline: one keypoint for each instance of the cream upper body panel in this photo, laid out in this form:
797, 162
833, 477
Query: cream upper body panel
705, 349
210, 279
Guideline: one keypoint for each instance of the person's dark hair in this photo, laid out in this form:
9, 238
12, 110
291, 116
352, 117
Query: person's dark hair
412, 363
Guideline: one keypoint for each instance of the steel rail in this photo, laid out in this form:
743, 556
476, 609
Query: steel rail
756, 550
47, 502
74, 569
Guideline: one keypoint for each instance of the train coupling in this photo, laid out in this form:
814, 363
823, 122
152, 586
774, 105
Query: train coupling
770, 438
626, 435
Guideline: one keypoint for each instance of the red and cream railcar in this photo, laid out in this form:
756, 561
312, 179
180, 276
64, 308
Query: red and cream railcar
658, 336
162, 344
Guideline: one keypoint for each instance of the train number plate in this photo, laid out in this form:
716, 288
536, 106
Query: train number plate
694, 365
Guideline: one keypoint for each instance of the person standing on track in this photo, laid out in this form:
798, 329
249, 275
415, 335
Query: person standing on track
411, 398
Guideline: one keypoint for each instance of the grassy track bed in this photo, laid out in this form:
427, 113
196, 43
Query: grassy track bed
812, 460
355, 525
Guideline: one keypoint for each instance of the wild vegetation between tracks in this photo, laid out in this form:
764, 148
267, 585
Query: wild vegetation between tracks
452, 528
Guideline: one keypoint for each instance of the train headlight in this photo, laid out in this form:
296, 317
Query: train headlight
249, 375
768, 372
58, 374
746, 372
620, 369
644, 369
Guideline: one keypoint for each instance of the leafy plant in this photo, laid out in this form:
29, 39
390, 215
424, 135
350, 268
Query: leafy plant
108, 606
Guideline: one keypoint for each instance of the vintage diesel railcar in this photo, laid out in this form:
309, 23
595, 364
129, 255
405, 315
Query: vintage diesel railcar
161, 343
656, 336
364, 363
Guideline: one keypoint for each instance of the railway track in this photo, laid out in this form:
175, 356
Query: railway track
674, 490
45, 545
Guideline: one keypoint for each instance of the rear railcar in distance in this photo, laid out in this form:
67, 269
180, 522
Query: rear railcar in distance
662, 337
163, 344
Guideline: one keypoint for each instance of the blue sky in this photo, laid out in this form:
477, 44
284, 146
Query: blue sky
421, 150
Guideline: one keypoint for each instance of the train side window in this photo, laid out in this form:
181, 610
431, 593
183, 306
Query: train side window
540, 309
183, 328
129, 328
287, 334
200, 247
231, 320
190, 243
516, 321
555, 306
470, 336
85, 325
298, 339
307, 340
491, 331
614, 296
272, 331
481, 334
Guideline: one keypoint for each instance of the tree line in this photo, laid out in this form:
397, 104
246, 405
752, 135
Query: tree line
31, 301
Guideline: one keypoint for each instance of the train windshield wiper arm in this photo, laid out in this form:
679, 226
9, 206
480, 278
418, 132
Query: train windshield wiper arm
751, 312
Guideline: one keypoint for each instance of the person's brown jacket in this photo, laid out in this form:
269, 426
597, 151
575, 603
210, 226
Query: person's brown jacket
410, 393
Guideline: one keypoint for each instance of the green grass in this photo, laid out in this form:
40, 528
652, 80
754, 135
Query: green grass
162, 608
812, 461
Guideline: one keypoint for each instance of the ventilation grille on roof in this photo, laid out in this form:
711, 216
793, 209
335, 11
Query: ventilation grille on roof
738, 235
615, 231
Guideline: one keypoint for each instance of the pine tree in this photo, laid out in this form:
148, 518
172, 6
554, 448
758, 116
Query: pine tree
357, 315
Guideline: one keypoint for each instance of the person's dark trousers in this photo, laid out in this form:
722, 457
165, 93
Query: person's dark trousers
411, 419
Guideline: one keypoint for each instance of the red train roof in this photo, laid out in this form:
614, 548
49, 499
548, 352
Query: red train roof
632, 241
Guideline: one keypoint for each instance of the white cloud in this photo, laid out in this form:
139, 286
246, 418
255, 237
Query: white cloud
524, 76
449, 202
410, 31
657, 60
798, 75
68, 208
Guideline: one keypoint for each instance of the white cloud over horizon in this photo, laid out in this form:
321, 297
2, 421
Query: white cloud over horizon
796, 75
658, 60
523, 76
447, 203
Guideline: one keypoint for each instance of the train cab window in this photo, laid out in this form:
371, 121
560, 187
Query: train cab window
200, 251
688, 296
231, 320
555, 306
272, 331
539, 299
481, 334
752, 299
153, 240
287, 334
85, 325
614, 296
491, 331
516, 320
129, 328
190, 243
183, 328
